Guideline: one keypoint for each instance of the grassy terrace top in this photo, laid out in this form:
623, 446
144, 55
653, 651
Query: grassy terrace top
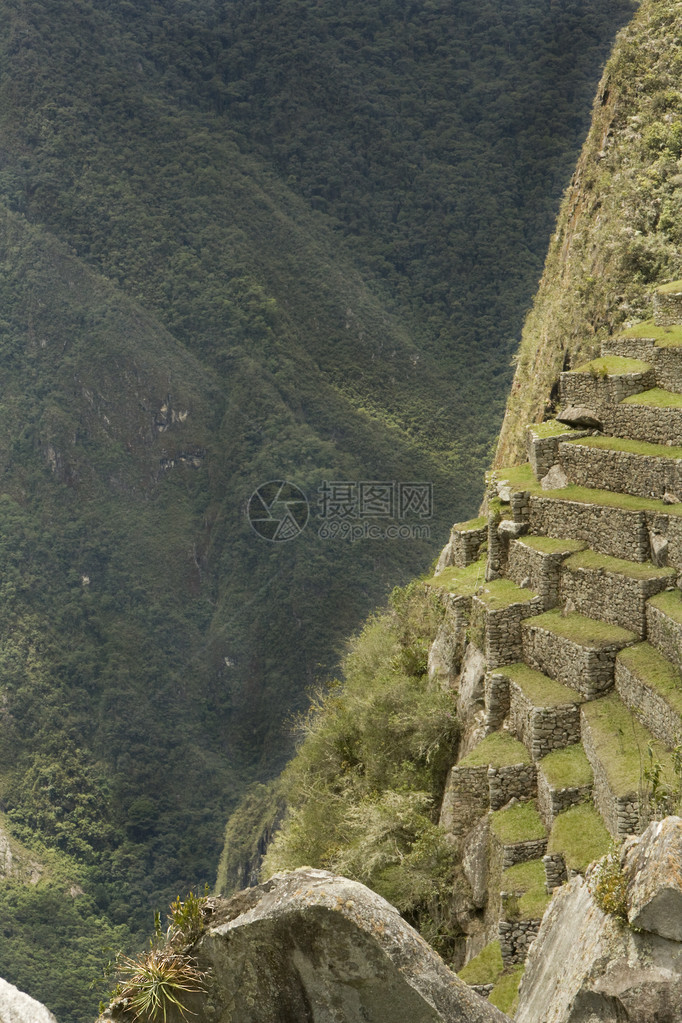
655, 398
462, 581
580, 834
464, 527
612, 365
621, 745
656, 671
633, 570
567, 768
671, 288
485, 968
518, 823
670, 603
550, 428
635, 447
526, 880
551, 545
664, 337
501, 593
538, 688
499, 749
587, 632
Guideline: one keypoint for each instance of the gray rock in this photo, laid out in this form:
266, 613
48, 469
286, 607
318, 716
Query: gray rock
652, 865
587, 967
445, 559
472, 681
659, 549
556, 479
17, 1007
578, 415
509, 528
475, 861
311, 947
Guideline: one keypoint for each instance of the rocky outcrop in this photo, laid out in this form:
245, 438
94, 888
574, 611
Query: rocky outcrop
652, 865
312, 947
16, 1007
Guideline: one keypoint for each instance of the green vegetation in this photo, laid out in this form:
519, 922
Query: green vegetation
567, 767
635, 447
485, 968
612, 365
247, 833
670, 603
551, 545
588, 632
579, 834
499, 749
655, 398
501, 593
541, 690
589, 559
519, 477
671, 288
608, 885
462, 581
621, 744
655, 671
364, 787
462, 527
525, 883
550, 428
665, 337
505, 994
518, 823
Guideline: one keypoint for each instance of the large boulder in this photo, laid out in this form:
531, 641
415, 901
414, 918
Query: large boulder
652, 865
312, 947
588, 967
16, 1007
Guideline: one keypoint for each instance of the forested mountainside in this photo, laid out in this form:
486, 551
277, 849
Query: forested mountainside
239, 242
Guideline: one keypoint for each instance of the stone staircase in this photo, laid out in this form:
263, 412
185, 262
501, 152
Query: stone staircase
569, 666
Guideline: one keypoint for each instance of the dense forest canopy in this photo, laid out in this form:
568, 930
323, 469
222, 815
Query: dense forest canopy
239, 242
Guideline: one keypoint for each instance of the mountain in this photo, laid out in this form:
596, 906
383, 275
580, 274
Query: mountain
239, 243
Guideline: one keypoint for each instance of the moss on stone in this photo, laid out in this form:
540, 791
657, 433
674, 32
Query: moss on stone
655, 671
655, 398
552, 545
541, 690
588, 632
580, 834
567, 768
589, 559
612, 365
501, 593
464, 527
462, 581
670, 603
499, 749
621, 744
518, 823
485, 968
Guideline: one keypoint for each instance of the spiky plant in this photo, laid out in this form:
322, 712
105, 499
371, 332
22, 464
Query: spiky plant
157, 981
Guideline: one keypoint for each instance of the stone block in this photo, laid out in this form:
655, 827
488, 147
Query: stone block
652, 865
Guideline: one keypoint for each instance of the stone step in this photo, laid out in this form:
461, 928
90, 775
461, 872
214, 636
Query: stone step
616, 744
623, 466
577, 838
535, 561
605, 381
464, 545
660, 346
613, 589
517, 834
654, 416
497, 611
542, 444
651, 686
564, 779
664, 624
577, 651
523, 900
543, 714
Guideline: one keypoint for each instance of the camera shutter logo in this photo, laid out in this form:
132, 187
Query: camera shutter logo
278, 511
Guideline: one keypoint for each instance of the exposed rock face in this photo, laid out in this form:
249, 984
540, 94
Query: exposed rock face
311, 947
653, 867
16, 1007
578, 415
588, 967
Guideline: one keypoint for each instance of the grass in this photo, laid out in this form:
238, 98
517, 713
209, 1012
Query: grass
499, 749
527, 882
612, 365
672, 288
519, 477
501, 593
621, 744
551, 545
462, 581
485, 968
504, 996
550, 428
655, 398
655, 671
567, 768
463, 527
580, 834
541, 690
587, 632
589, 559
664, 337
630, 446
670, 603
519, 823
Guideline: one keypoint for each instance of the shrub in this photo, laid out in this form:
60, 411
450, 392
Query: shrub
608, 885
